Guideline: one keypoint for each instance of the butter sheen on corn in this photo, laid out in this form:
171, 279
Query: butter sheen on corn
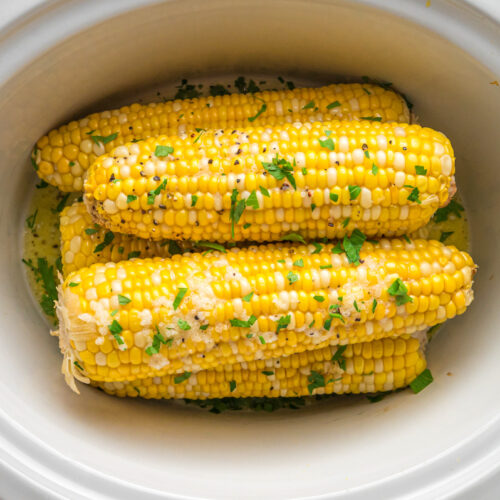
347, 175
65, 153
246, 283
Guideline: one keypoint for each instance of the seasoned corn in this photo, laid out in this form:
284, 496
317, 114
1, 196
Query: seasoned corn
143, 318
63, 155
381, 365
259, 184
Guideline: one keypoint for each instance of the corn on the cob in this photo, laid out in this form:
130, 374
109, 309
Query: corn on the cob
141, 318
319, 179
381, 365
64, 154
84, 243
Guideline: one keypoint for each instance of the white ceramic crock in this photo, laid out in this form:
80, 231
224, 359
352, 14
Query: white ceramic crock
67, 57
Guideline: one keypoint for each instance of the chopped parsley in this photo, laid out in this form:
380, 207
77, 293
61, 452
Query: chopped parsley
162, 151
42, 183
414, 195
262, 339
91, 230
354, 192
309, 105
248, 297
338, 356
204, 327
262, 109
194, 199
31, 220
283, 322
183, 324
114, 312
299, 263
78, 365
292, 277
200, 131
345, 223
280, 169
377, 397
218, 89
372, 118
264, 191
422, 381
99, 139
232, 385
252, 200
334, 104
178, 379
355, 304
158, 339
374, 305
445, 235
327, 143
115, 328
443, 213
247, 225
337, 248
326, 266
352, 246
131, 198
242, 323
108, 238
319, 298
241, 84
236, 210
318, 247
334, 197
123, 300
267, 373
73, 284
186, 91
153, 194
398, 289
134, 254
293, 237
179, 297
420, 170
374, 169
212, 246
62, 203
406, 238
316, 380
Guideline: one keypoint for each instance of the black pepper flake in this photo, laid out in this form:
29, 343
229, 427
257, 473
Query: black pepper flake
122, 221
264, 149
390, 142
143, 211
142, 174
162, 206
156, 178
357, 319
364, 147
404, 148
155, 222
233, 132
196, 223
210, 161
238, 181
330, 224
236, 162
196, 317
112, 178
239, 151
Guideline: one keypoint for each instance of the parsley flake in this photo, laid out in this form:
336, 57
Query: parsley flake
178, 379
422, 381
162, 151
178, 298
108, 238
280, 169
354, 192
420, 170
398, 289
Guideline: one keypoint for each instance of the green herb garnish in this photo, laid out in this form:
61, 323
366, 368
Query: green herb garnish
178, 298
108, 238
398, 289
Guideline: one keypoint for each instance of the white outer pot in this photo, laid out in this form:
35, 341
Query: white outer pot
63, 57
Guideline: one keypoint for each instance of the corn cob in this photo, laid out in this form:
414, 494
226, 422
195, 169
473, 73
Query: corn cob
142, 318
381, 365
320, 180
63, 155
84, 243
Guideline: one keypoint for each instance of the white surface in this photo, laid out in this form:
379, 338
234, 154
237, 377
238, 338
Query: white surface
432, 445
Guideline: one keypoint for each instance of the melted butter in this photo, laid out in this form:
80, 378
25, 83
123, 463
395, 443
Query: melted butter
43, 240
